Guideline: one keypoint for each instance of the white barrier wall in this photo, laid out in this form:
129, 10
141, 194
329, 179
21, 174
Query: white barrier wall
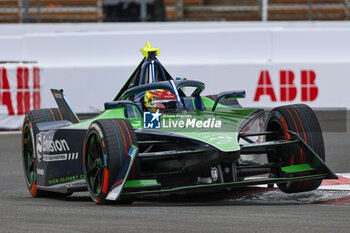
276, 63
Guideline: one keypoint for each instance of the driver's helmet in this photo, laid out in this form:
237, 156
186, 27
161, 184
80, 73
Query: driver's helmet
157, 99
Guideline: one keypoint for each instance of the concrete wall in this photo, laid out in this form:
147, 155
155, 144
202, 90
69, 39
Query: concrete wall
92, 61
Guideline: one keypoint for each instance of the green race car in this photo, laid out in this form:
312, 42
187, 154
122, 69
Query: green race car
161, 136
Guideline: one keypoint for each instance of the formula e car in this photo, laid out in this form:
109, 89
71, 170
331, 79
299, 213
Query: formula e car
160, 136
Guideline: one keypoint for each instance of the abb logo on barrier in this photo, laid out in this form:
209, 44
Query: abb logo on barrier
23, 94
288, 90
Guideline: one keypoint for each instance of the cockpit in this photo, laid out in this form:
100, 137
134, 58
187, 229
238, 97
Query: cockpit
151, 87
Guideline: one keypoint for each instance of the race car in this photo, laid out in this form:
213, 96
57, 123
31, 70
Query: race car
160, 136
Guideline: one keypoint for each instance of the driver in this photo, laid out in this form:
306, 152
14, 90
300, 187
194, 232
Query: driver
157, 99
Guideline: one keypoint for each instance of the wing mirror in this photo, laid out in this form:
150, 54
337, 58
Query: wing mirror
228, 94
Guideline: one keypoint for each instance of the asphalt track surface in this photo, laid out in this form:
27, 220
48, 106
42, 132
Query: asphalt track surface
224, 212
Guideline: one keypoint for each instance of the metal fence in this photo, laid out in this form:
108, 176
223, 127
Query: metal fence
81, 10
12, 11
257, 10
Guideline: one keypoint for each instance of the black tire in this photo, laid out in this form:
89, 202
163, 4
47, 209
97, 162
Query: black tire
107, 142
29, 132
301, 119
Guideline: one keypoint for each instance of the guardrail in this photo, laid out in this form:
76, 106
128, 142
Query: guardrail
20, 11
12, 11
229, 10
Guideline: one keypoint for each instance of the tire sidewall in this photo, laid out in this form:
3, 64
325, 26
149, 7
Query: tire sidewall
95, 129
111, 132
30, 124
277, 118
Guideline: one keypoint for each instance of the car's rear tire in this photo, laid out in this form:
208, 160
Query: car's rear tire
29, 132
107, 142
301, 119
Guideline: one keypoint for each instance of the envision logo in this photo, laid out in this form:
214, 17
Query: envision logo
49, 150
47, 145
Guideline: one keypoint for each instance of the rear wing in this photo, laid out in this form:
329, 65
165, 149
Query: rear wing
64, 106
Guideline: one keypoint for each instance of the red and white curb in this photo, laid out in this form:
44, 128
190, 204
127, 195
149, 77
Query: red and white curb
331, 192
340, 185
343, 183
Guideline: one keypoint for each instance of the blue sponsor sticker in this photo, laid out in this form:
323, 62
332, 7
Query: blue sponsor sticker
133, 151
278, 115
105, 160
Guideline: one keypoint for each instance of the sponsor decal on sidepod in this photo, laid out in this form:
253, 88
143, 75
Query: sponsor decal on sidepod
51, 150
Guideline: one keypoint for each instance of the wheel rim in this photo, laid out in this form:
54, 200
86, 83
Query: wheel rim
94, 165
275, 126
28, 156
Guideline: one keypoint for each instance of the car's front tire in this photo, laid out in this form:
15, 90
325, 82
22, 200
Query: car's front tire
302, 120
107, 143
